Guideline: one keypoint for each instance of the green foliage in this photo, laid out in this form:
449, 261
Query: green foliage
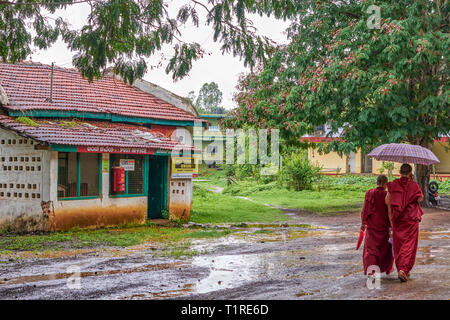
165, 214
372, 86
123, 33
229, 170
246, 171
191, 98
27, 121
387, 84
298, 173
444, 187
246, 188
209, 98
389, 166
348, 183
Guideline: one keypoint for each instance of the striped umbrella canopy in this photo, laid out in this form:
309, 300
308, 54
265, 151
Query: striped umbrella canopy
404, 153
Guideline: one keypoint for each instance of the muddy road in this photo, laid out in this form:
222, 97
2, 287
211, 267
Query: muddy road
258, 262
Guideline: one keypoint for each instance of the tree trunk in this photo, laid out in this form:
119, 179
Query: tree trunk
422, 177
422, 173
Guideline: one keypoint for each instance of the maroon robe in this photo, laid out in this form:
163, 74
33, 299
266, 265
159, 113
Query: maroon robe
377, 249
406, 215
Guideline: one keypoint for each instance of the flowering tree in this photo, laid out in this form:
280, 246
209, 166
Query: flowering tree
372, 80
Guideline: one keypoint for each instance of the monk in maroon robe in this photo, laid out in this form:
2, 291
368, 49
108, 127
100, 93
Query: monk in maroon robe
375, 222
403, 200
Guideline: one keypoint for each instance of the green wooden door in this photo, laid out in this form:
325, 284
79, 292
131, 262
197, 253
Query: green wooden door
157, 187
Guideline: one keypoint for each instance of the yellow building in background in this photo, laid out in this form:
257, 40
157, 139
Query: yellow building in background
357, 163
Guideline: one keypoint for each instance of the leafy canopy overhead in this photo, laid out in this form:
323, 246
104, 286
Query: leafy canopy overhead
123, 33
371, 86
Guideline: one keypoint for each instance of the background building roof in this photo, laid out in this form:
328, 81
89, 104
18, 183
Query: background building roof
27, 86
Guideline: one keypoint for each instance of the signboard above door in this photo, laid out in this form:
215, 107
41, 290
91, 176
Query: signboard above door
127, 164
124, 150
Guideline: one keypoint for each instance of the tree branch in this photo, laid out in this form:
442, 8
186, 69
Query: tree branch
251, 33
350, 14
43, 3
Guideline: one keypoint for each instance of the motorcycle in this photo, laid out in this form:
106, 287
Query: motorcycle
433, 195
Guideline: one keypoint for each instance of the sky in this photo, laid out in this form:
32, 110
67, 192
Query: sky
222, 69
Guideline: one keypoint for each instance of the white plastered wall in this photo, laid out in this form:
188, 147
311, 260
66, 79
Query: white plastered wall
25, 181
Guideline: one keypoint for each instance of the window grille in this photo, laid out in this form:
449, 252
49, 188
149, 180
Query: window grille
78, 175
134, 179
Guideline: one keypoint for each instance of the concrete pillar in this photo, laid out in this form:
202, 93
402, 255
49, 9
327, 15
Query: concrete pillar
105, 180
53, 177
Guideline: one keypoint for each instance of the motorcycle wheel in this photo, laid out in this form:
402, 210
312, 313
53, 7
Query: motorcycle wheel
433, 186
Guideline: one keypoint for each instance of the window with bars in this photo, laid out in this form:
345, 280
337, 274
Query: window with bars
366, 163
78, 175
134, 179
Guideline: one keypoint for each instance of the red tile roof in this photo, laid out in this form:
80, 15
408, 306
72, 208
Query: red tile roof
91, 134
27, 86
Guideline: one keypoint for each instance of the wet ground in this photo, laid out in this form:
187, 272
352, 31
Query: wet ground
276, 261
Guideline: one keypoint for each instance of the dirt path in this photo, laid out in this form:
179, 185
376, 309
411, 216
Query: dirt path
278, 263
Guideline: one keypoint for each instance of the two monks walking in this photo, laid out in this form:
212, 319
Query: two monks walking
396, 210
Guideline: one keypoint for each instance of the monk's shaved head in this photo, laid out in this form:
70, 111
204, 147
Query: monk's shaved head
405, 169
382, 180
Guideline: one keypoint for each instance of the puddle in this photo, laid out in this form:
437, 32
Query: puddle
227, 271
56, 276
303, 293
428, 254
336, 248
207, 245
434, 235
185, 290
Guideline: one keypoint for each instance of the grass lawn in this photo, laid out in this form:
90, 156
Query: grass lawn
123, 236
330, 201
214, 177
323, 201
209, 207
330, 195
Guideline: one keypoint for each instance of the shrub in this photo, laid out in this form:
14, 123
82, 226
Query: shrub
444, 187
230, 170
298, 173
251, 172
244, 171
348, 183
387, 165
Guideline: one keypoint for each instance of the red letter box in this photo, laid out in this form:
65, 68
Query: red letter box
118, 179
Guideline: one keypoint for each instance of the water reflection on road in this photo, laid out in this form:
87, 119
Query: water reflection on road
259, 262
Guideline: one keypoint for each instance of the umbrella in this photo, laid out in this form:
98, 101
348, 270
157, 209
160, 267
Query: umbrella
404, 153
391, 242
360, 239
